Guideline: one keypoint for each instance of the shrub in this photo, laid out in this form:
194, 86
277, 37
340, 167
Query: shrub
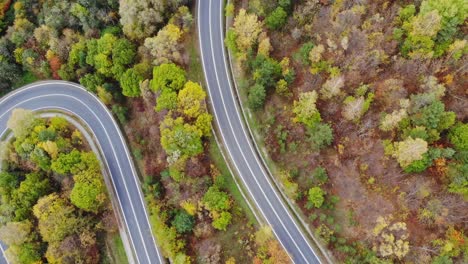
458, 136
320, 135
276, 19
183, 222
257, 96
316, 197
320, 174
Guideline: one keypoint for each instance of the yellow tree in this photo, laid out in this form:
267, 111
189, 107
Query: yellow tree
165, 46
410, 150
191, 100
247, 27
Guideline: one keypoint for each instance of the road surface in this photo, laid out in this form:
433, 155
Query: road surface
235, 136
72, 98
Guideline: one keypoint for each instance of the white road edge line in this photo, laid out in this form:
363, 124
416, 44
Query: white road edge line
248, 189
124, 145
238, 111
242, 153
108, 138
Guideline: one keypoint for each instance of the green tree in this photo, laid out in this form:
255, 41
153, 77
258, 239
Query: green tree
183, 222
320, 174
316, 196
91, 81
89, 191
459, 136
434, 116
303, 54
130, 83
123, 52
276, 19
257, 96
320, 135
216, 200
40, 157
170, 244
267, 71
222, 221
30, 253
420, 165
168, 76
179, 137
166, 100
230, 41
30, 190
306, 110
8, 182
121, 112
66, 162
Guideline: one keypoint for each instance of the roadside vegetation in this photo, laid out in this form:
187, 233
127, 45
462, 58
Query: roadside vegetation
362, 107
54, 203
140, 58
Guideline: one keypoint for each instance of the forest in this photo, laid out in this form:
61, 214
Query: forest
141, 59
361, 108
54, 203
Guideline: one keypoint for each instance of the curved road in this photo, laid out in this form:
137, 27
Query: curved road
235, 136
74, 99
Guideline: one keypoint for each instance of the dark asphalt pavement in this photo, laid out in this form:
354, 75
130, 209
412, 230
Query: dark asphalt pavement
69, 97
235, 135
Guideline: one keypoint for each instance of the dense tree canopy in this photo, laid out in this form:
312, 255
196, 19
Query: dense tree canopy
142, 18
168, 76
89, 191
191, 100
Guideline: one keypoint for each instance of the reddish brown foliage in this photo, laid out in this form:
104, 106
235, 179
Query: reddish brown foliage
4, 6
55, 64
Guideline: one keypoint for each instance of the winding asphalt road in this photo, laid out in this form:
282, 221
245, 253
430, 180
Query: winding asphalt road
72, 98
235, 136
76, 101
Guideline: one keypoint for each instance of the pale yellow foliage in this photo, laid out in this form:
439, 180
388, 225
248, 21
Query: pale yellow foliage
390, 121
264, 45
247, 28
189, 206
391, 239
432, 85
21, 122
352, 109
165, 46
332, 87
50, 147
460, 47
263, 235
315, 54
410, 150
4, 150
427, 24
